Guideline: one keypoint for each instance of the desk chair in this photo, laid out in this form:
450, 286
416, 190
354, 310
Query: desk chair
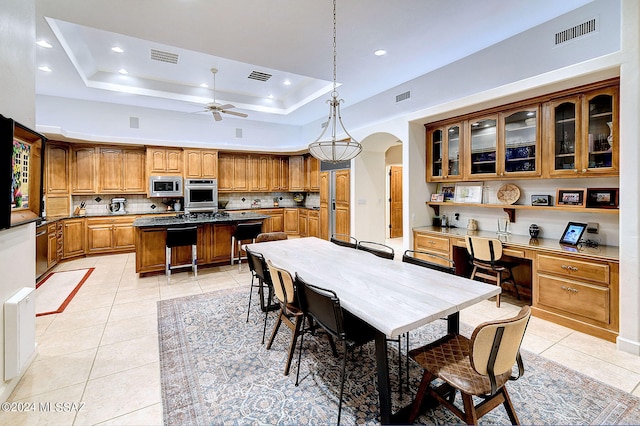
479, 366
260, 279
323, 306
344, 240
486, 255
244, 231
378, 249
177, 237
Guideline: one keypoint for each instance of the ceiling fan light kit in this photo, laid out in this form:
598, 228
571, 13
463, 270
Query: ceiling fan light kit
216, 109
332, 150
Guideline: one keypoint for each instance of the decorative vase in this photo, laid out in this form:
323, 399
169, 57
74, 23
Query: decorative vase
534, 230
610, 137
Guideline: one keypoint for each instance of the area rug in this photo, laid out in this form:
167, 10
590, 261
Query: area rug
56, 290
214, 370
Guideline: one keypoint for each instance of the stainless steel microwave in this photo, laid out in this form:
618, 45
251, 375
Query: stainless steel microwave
165, 186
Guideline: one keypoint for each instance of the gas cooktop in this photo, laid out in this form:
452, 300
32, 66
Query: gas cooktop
202, 215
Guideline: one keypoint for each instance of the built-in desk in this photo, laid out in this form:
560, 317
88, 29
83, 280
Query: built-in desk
577, 288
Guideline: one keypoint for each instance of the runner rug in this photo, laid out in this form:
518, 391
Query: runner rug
56, 290
214, 370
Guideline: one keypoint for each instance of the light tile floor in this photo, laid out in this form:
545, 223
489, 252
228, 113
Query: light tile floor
102, 351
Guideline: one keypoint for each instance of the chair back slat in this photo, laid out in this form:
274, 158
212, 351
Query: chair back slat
258, 265
282, 283
484, 249
378, 249
344, 240
503, 357
414, 257
323, 306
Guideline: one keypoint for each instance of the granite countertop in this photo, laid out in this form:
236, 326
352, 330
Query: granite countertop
52, 219
175, 221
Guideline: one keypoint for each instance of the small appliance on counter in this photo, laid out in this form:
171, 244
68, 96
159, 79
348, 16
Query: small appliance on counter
116, 206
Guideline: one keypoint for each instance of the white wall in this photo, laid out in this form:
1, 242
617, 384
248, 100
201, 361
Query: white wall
17, 85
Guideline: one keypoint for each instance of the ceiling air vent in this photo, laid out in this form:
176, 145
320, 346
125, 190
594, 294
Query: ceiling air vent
576, 31
261, 76
403, 96
159, 55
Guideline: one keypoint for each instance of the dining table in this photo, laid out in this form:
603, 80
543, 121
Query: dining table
393, 297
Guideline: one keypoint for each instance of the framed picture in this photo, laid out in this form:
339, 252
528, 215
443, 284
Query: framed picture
572, 233
541, 200
602, 198
571, 197
437, 198
468, 192
447, 190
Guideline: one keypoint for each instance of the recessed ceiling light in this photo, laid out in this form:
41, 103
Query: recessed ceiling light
287, 82
44, 43
123, 71
531, 114
204, 85
45, 68
380, 52
117, 49
270, 96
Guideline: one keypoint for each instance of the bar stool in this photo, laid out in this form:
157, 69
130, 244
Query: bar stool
177, 237
244, 231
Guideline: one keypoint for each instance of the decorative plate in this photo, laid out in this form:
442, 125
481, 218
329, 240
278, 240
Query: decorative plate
508, 194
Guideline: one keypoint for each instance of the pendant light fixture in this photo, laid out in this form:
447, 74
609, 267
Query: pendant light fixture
332, 150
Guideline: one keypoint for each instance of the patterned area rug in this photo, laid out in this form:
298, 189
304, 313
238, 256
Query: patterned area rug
214, 370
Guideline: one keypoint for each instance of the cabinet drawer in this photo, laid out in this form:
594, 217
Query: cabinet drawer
428, 242
592, 271
586, 300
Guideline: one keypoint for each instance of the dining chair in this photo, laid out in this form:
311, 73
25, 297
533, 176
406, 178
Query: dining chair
378, 249
177, 237
344, 240
486, 258
271, 236
323, 306
290, 313
429, 260
480, 366
260, 279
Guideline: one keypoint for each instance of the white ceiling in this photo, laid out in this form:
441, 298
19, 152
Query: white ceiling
289, 39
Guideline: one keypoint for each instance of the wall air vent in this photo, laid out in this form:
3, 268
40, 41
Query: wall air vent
403, 96
576, 31
238, 133
261, 76
162, 56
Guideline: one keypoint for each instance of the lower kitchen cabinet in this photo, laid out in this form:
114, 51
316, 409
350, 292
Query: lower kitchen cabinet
313, 223
106, 235
74, 237
303, 222
291, 221
52, 245
275, 223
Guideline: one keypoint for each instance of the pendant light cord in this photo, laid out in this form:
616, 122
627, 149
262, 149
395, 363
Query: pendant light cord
335, 54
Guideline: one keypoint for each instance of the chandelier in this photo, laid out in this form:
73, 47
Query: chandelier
332, 150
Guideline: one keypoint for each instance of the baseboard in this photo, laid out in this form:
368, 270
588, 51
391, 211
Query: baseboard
629, 346
6, 388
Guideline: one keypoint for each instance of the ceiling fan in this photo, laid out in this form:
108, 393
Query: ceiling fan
216, 108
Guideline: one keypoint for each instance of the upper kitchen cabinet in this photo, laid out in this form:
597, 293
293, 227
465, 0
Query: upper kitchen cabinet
121, 170
312, 173
445, 152
519, 143
84, 175
200, 163
259, 172
280, 173
483, 147
164, 161
233, 172
583, 137
57, 164
296, 173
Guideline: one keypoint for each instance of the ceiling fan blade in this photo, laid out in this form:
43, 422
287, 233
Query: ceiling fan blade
227, 106
239, 114
216, 116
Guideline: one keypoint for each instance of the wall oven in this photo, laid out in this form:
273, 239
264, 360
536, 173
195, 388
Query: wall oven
201, 195
165, 186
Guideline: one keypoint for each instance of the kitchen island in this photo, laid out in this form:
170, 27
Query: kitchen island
214, 239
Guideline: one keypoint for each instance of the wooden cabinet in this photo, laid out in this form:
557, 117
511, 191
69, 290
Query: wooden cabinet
291, 221
431, 244
275, 223
303, 222
200, 163
312, 174
52, 245
121, 171
577, 292
445, 152
73, 237
163, 161
279, 173
313, 224
483, 147
519, 143
57, 164
259, 173
324, 205
232, 175
106, 235
296, 173
343, 202
84, 170
582, 139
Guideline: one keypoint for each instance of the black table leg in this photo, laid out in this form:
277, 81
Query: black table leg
384, 388
453, 323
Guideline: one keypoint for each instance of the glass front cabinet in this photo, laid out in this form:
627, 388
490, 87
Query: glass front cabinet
584, 137
483, 142
445, 153
520, 143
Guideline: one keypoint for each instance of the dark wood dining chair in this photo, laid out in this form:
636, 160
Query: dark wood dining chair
480, 366
380, 250
344, 240
486, 258
261, 279
323, 306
